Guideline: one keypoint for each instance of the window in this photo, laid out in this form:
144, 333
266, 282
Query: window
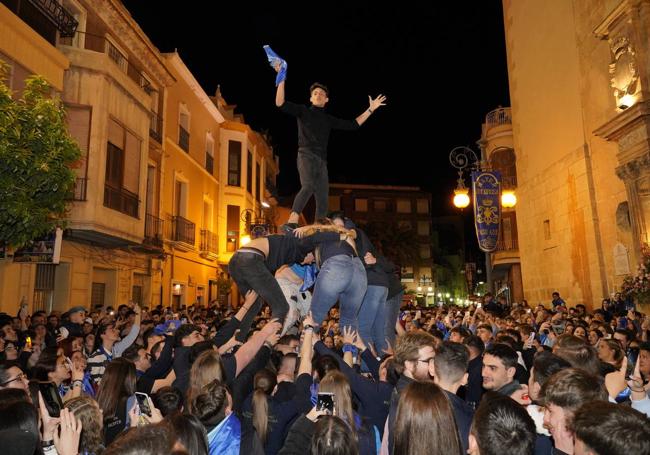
44, 287
232, 222
405, 225
425, 252
379, 205
361, 205
121, 186
184, 127
234, 163
423, 206
259, 182
97, 295
423, 228
261, 185
547, 229
78, 120
249, 173
403, 206
335, 203
180, 198
209, 154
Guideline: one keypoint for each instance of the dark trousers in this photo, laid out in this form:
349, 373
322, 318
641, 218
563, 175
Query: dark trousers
250, 272
314, 180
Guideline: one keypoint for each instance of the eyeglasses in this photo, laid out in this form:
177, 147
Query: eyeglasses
20, 377
429, 361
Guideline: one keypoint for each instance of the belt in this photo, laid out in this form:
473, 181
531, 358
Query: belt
251, 250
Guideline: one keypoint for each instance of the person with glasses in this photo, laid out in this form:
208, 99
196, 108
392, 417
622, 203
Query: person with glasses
12, 377
414, 352
152, 374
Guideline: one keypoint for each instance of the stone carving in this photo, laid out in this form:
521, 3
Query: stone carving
623, 68
621, 260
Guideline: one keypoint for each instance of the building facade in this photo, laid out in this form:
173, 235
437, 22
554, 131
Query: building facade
401, 212
579, 89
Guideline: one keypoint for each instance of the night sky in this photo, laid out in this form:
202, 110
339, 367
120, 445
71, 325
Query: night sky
443, 61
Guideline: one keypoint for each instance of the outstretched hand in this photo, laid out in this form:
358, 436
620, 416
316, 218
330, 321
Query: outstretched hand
377, 102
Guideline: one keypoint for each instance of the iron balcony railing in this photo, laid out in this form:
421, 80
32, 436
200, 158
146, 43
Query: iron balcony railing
153, 230
155, 127
101, 44
45, 17
501, 116
121, 200
507, 245
80, 187
183, 138
183, 230
209, 242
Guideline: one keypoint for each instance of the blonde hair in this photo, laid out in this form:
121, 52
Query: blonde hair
337, 383
205, 369
92, 428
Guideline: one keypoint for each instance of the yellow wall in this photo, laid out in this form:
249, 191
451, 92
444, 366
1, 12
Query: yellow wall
559, 88
19, 42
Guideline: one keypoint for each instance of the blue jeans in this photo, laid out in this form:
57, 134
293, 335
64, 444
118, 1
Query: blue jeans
392, 312
341, 278
313, 181
372, 318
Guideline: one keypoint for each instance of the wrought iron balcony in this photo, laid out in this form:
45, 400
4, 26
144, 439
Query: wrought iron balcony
121, 200
183, 139
209, 242
45, 17
153, 230
497, 117
507, 245
98, 43
155, 127
183, 230
80, 187
209, 163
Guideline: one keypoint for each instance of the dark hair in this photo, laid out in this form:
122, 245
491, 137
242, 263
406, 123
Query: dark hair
98, 334
475, 342
132, 353
117, 385
463, 332
425, 422
645, 346
46, 364
570, 389
199, 348
451, 361
145, 440
157, 347
316, 85
324, 364
190, 432
332, 436
168, 400
263, 385
9, 396
210, 406
612, 429
546, 364
505, 353
182, 332
629, 335
501, 425
19, 427
148, 334
578, 353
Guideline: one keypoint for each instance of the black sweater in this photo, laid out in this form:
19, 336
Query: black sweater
314, 126
287, 249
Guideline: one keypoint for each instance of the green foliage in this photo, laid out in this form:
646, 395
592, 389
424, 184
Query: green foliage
36, 154
399, 245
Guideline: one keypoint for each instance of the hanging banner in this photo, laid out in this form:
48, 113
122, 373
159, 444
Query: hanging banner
486, 188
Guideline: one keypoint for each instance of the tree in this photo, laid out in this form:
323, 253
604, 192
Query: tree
36, 155
399, 245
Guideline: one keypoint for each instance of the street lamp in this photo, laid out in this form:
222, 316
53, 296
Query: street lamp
460, 158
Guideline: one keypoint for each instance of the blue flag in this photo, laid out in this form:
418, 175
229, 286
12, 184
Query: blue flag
274, 60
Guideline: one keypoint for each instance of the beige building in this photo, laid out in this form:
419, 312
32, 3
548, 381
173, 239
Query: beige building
579, 85
156, 194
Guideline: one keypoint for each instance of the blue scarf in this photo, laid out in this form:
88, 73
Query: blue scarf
225, 438
275, 59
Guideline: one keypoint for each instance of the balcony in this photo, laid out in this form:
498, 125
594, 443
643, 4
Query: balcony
153, 230
155, 126
121, 200
183, 231
209, 163
209, 244
183, 139
98, 43
498, 117
506, 253
45, 17
79, 190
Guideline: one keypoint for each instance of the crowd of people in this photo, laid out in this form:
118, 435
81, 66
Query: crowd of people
321, 358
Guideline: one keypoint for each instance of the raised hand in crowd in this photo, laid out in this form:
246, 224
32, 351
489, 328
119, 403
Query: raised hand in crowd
66, 440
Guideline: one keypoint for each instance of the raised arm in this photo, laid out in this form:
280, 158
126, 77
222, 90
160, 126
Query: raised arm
279, 93
373, 106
